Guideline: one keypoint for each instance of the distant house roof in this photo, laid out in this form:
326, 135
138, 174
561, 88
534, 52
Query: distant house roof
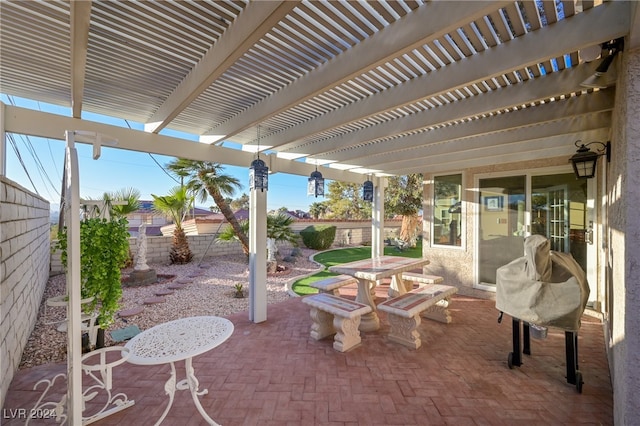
242, 214
146, 206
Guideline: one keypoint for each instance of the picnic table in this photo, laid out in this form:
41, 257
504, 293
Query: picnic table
369, 272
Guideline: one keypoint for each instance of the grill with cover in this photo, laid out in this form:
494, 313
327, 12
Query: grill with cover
544, 288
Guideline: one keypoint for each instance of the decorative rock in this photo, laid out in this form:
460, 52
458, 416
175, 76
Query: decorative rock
137, 278
165, 292
131, 312
153, 300
176, 286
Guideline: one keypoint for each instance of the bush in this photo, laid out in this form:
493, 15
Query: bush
318, 237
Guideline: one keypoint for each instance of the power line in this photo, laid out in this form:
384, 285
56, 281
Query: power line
156, 161
24, 167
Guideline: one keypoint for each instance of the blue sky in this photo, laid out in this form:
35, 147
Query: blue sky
118, 168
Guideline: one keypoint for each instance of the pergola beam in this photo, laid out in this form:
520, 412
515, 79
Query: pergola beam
469, 148
528, 123
80, 17
561, 146
588, 28
252, 24
421, 26
510, 97
20, 120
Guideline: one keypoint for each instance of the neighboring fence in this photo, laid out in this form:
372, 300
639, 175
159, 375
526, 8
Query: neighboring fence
24, 239
348, 233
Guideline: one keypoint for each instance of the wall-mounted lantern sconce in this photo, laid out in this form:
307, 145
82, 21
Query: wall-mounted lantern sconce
584, 161
258, 172
315, 185
367, 191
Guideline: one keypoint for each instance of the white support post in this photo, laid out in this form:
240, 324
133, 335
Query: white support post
257, 256
377, 217
74, 338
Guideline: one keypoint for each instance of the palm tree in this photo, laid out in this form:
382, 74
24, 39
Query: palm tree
174, 206
132, 198
205, 178
129, 195
317, 209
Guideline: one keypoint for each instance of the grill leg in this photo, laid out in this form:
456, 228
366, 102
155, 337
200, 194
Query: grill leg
526, 339
571, 345
515, 358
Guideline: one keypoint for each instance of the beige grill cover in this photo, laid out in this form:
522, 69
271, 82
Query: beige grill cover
543, 287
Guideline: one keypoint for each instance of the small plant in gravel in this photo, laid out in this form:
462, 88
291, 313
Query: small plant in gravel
239, 290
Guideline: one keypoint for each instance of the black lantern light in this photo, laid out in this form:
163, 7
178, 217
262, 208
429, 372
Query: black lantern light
258, 172
315, 186
367, 191
584, 161
258, 175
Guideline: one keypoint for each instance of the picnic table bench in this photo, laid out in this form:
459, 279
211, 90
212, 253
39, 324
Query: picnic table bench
332, 285
412, 278
336, 315
403, 312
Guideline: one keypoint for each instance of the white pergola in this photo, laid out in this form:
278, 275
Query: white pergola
356, 89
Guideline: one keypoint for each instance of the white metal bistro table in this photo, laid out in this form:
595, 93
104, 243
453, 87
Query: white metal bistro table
369, 272
180, 340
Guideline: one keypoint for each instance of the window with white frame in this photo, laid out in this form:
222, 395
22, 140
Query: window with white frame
447, 210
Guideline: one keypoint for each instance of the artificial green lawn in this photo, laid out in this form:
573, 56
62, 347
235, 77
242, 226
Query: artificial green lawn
338, 256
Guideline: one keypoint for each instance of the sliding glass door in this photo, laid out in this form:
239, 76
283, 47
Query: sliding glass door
514, 207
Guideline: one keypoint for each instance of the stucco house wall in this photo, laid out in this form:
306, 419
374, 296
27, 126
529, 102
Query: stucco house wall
623, 259
24, 270
455, 264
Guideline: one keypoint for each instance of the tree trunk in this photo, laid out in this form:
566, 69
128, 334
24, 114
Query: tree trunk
180, 251
408, 229
231, 218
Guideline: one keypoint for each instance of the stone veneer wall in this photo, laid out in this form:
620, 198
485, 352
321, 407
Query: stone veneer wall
24, 271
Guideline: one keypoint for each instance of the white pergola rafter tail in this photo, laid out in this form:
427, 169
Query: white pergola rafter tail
252, 24
80, 18
20, 120
576, 106
596, 25
469, 148
549, 86
421, 26
562, 147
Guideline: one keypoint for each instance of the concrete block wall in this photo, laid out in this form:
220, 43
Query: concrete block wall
24, 271
158, 248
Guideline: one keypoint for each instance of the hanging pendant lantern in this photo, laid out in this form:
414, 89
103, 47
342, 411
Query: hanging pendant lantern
315, 186
367, 191
258, 172
258, 175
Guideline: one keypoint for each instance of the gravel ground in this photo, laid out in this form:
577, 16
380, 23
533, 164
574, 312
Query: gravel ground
210, 292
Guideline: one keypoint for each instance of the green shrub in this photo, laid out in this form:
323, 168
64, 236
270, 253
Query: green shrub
318, 237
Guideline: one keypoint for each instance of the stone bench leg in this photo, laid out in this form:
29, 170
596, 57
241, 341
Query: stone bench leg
404, 330
439, 312
347, 333
322, 324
